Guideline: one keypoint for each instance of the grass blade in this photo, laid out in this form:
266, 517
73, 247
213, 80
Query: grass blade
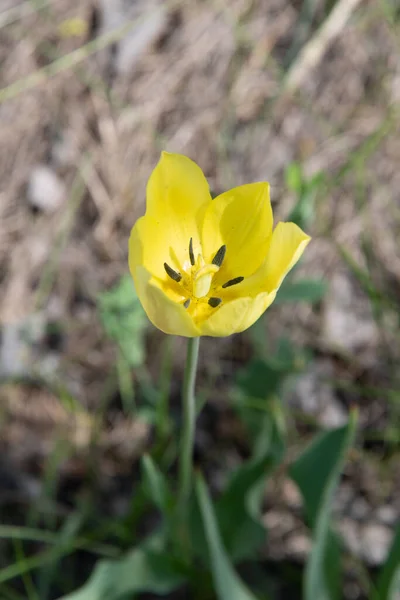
228, 585
388, 585
317, 473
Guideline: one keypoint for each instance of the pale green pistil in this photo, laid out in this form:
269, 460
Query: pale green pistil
202, 280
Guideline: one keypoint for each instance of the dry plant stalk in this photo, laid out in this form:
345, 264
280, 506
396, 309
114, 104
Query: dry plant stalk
314, 50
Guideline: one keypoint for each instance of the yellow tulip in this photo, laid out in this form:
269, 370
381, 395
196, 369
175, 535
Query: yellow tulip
204, 266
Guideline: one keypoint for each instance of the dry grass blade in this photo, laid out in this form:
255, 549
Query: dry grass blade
313, 52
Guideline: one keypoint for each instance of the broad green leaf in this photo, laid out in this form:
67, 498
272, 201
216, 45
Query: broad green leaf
262, 377
254, 399
228, 585
286, 357
388, 584
306, 290
317, 473
241, 502
148, 568
124, 320
259, 385
262, 380
156, 485
258, 379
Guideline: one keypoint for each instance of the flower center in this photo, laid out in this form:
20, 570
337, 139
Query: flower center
195, 282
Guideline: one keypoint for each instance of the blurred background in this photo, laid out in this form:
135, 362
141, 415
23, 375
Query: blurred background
302, 93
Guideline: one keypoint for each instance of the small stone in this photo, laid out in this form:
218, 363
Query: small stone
291, 494
347, 324
49, 365
17, 343
342, 498
280, 521
359, 509
119, 506
46, 191
149, 21
140, 39
333, 415
32, 487
387, 515
351, 590
351, 534
315, 395
375, 540
279, 524
65, 150
299, 546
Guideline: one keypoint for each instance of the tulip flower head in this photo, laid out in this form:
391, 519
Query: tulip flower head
204, 266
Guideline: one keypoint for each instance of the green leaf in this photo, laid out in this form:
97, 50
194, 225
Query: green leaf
228, 585
317, 473
147, 568
124, 320
69, 531
286, 357
388, 584
258, 379
306, 290
306, 190
262, 377
241, 502
261, 382
156, 485
294, 177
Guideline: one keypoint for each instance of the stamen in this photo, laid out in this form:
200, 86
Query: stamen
219, 257
232, 282
186, 304
214, 302
173, 274
191, 254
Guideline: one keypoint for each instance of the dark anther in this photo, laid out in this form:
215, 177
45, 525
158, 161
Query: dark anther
219, 257
186, 304
191, 255
233, 282
173, 274
214, 302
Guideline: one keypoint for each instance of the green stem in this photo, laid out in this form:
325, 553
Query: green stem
189, 418
162, 415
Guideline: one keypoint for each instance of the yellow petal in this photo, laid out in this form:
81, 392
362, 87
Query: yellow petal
237, 315
148, 248
242, 220
177, 195
166, 314
288, 243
